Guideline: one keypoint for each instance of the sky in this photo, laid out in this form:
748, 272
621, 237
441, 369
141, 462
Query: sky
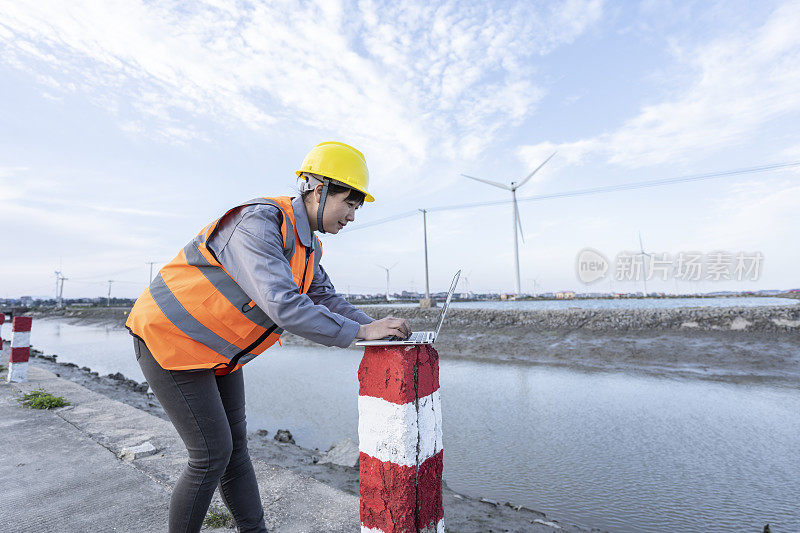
127, 126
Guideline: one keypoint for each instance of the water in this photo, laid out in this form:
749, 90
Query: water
616, 451
623, 303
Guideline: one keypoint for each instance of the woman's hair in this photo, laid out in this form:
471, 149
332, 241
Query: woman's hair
334, 188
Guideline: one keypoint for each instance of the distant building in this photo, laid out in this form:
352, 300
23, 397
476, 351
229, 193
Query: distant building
565, 295
26, 300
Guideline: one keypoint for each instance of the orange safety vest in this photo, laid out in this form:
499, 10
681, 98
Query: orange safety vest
195, 316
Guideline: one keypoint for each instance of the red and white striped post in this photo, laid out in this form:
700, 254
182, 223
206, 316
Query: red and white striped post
400, 440
20, 348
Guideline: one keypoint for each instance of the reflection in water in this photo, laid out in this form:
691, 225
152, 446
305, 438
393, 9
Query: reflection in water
614, 451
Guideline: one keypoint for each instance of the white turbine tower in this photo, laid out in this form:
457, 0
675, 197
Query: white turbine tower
60, 279
466, 282
515, 211
387, 269
644, 255
535, 282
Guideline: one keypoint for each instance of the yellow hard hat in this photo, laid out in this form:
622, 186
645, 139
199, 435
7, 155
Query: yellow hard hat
340, 162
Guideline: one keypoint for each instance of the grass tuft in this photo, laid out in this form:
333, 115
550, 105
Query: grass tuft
41, 399
219, 517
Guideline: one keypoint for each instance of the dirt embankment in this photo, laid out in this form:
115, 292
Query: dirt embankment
739, 344
754, 319
781, 319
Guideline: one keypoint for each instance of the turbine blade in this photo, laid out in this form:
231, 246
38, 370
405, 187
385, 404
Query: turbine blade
489, 182
521, 183
519, 221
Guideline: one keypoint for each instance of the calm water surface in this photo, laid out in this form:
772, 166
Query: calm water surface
616, 451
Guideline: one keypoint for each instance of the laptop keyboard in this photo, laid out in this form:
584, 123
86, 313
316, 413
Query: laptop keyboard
417, 336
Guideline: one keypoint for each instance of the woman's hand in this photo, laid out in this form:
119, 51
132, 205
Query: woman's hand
385, 327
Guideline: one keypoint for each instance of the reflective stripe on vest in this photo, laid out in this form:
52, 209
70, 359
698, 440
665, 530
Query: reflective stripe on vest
184, 321
176, 305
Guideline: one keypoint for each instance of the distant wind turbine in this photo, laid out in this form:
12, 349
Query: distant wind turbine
535, 282
60, 279
387, 269
466, 282
517, 223
644, 255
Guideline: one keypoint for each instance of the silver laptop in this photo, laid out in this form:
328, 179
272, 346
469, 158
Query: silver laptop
418, 337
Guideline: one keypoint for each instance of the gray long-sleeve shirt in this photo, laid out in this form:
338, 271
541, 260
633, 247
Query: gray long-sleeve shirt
249, 244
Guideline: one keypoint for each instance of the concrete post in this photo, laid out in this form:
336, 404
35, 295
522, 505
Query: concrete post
20, 348
400, 440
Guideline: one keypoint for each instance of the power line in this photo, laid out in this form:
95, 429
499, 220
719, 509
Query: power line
106, 281
626, 186
392, 218
109, 274
589, 191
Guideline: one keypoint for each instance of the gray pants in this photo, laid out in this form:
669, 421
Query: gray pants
209, 414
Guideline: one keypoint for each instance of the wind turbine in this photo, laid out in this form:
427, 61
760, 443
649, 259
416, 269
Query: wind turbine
643, 254
59, 288
515, 211
387, 269
535, 284
466, 282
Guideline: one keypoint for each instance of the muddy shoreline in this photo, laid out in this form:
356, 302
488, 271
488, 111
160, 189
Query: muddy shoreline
735, 344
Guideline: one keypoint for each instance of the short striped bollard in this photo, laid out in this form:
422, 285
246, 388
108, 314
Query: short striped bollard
20, 348
400, 440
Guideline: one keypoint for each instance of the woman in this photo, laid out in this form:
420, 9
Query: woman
224, 299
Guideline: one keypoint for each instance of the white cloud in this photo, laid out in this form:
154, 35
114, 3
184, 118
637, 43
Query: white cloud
6, 172
739, 83
753, 215
414, 75
792, 152
13, 184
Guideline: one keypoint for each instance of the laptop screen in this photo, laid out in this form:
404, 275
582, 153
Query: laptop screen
447, 302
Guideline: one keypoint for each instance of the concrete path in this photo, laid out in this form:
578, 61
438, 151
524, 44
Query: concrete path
59, 470
56, 478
